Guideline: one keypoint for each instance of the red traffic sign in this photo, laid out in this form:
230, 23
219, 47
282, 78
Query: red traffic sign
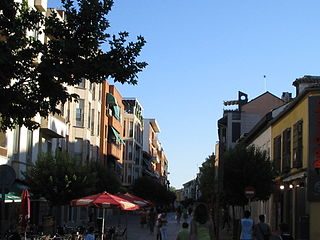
249, 192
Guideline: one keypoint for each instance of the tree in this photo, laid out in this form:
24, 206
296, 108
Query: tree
243, 167
107, 180
29, 86
60, 178
206, 179
149, 189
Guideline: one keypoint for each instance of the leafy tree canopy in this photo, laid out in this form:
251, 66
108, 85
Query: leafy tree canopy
107, 180
148, 188
243, 167
61, 178
206, 178
74, 52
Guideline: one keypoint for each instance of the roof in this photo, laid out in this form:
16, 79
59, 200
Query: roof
306, 79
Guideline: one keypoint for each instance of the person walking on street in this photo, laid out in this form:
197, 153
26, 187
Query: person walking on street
184, 233
152, 217
164, 228
262, 230
201, 224
143, 218
178, 214
246, 226
159, 224
225, 218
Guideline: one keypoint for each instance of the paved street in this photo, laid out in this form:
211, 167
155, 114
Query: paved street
135, 232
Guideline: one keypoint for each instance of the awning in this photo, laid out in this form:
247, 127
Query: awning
116, 110
11, 198
111, 100
116, 134
294, 177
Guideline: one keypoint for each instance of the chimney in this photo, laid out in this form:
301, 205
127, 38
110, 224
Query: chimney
286, 97
305, 82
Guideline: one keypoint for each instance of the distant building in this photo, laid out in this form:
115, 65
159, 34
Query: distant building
133, 137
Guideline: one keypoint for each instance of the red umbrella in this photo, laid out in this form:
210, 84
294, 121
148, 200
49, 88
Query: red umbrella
24, 210
104, 200
137, 199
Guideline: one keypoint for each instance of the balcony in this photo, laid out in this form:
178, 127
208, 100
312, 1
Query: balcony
115, 123
53, 127
114, 149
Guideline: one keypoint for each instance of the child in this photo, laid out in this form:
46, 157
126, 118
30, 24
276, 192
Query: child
184, 233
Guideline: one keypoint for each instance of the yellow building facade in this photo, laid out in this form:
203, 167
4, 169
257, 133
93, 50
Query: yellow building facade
294, 152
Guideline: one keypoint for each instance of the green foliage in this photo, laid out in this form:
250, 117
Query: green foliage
60, 178
74, 52
107, 180
148, 188
206, 179
243, 167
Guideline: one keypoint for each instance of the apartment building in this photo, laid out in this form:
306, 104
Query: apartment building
111, 140
154, 153
133, 137
83, 121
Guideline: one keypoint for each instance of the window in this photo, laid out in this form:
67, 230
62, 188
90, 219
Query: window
286, 151
98, 124
3, 140
16, 143
89, 114
99, 93
124, 128
29, 146
92, 122
81, 84
235, 131
130, 151
78, 144
277, 153
236, 115
297, 144
130, 129
79, 113
93, 91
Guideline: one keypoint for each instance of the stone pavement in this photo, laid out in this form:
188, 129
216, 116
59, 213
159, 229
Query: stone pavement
135, 232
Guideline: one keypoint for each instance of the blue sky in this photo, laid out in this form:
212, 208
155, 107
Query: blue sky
203, 52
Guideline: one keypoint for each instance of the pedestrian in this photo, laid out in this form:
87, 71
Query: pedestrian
184, 233
262, 230
178, 214
143, 218
90, 235
159, 224
185, 214
246, 226
284, 232
201, 226
152, 217
225, 218
163, 227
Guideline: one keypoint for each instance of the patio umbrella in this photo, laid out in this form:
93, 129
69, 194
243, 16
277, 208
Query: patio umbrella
133, 200
104, 200
137, 199
24, 211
